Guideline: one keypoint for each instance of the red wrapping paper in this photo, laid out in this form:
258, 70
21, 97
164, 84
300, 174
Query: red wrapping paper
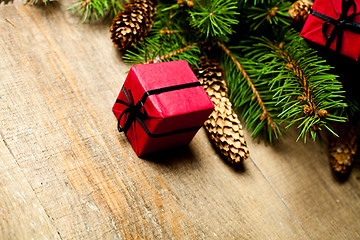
312, 29
168, 111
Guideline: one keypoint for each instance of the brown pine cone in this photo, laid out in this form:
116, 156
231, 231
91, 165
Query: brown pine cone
223, 125
300, 10
131, 25
343, 148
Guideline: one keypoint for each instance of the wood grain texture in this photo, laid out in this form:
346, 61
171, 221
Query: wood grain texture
19, 204
59, 80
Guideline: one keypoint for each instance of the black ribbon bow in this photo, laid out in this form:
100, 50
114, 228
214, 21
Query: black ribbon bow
137, 112
133, 110
344, 22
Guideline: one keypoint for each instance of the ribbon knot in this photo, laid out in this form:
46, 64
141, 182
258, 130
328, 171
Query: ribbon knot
132, 110
344, 22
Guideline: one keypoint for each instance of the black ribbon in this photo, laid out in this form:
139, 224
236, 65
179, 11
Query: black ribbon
137, 112
344, 22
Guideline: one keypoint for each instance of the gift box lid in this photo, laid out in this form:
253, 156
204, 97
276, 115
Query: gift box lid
333, 8
168, 74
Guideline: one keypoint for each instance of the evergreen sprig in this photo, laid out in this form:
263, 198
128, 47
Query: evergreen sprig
214, 18
306, 92
95, 9
268, 13
38, 2
251, 93
250, 3
163, 48
170, 38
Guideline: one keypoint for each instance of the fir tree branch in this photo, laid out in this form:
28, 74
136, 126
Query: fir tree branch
307, 96
265, 113
303, 86
167, 31
34, 2
250, 3
94, 9
271, 12
163, 48
169, 39
171, 54
252, 95
214, 18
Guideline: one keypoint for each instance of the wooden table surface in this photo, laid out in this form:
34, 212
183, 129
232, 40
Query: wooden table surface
67, 173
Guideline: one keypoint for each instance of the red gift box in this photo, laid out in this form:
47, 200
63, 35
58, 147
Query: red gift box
161, 105
335, 24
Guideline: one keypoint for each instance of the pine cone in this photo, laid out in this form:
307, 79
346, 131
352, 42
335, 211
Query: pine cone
343, 148
223, 125
300, 10
133, 23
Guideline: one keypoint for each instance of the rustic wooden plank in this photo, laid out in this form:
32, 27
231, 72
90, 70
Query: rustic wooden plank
301, 175
59, 80
19, 204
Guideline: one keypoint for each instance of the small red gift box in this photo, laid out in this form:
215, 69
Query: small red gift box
335, 24
161, 105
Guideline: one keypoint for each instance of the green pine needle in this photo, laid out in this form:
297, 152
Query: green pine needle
163, 48
94, 9
214, 18
303, 87
34, 2
268, 13
251, 94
